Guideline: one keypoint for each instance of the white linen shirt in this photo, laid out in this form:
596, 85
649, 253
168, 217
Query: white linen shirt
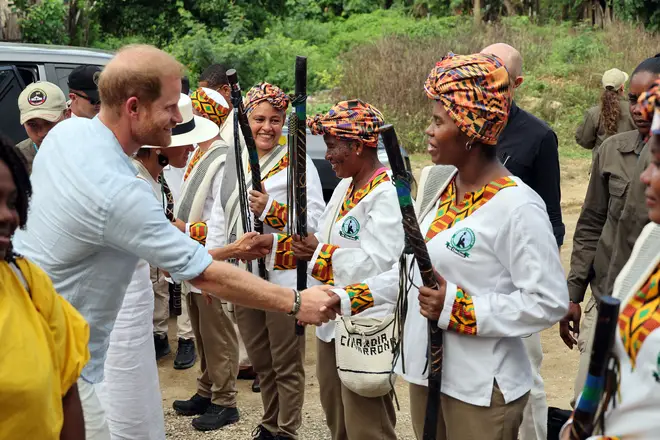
91, 220
515, 278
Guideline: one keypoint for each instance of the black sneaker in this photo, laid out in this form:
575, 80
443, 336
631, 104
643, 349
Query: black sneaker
162, 345
185, 354
215, 417
197, 405
261, 433
283, 437
256, 385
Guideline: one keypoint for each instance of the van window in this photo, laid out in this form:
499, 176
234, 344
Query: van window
62, 76
11, 85
28, 72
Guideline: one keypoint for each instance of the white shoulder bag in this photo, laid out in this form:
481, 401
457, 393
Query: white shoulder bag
364, 348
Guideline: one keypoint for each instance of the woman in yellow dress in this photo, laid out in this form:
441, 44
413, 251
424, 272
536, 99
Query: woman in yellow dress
44, 338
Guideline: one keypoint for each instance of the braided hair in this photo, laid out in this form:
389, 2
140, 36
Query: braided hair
610, 110
15, 161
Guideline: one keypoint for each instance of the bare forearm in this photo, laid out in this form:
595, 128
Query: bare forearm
240, 287
223, 253
73, 427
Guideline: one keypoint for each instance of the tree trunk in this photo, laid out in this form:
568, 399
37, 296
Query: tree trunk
73, 18
510, 9
477, 12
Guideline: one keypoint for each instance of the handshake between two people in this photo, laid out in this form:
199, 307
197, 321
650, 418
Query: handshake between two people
318, 304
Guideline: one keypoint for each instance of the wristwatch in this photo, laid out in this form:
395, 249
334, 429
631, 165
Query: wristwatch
296, 303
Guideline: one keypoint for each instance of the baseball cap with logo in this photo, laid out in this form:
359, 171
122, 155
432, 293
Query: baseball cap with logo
614, 78
86, 79
43, 100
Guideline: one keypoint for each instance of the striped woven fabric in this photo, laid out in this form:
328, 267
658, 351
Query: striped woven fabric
640, 316
281, 165
450, 212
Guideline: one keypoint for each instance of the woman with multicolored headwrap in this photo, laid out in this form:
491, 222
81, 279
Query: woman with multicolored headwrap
498, 268
360, 235
276, 352
632, 404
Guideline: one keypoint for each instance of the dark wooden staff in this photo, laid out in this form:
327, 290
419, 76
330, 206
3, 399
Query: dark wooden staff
253, 156
298, 169
584, 415
416, 246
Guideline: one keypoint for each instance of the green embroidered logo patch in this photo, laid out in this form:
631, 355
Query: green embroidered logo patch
461, 242
350, 229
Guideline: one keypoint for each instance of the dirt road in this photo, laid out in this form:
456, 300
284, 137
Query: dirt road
559, 364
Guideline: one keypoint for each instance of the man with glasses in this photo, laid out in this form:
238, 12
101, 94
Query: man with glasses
84, 91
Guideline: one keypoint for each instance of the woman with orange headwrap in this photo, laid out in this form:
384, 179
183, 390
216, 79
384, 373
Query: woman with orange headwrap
276, 352
496, 259
360, 235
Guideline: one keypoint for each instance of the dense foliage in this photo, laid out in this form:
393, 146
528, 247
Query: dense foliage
378, 50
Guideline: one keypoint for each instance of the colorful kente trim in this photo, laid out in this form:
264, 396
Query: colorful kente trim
640, 316
284, 259
450, 212
361, 298
191, 165
322, 269
198, 232
281, 165
351, 202
462, 319
277, 215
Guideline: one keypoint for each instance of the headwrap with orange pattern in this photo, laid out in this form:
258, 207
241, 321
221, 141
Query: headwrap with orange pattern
475, 91
649, 103
211, 105
269, 93
352, 120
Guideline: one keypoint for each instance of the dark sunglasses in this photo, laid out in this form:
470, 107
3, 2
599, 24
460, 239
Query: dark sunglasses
87, 98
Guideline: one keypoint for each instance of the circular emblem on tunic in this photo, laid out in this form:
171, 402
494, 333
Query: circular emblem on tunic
463, 240
350, 228
37, 97
95, 78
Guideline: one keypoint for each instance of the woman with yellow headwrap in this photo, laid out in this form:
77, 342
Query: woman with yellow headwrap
360, 235
632, 406
276, 352
498, 268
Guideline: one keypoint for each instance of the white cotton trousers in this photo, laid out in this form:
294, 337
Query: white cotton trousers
535, 417
96, 425
130, 393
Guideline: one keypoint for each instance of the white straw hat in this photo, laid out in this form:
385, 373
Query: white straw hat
193, 129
